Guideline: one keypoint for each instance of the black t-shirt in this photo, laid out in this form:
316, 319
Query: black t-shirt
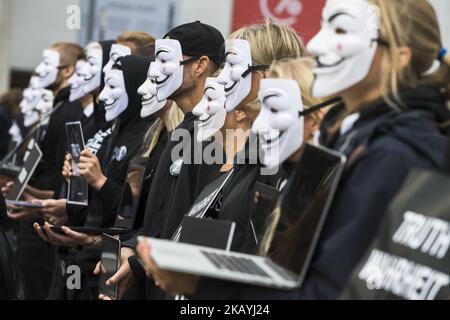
5, 138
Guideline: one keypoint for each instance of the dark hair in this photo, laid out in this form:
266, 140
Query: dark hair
140, 43
69, 52
11, 101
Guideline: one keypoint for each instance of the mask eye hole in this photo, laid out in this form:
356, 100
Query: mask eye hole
273, 110
340, 31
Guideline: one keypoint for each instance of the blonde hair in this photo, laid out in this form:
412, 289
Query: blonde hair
151, 139
413, 24
270, 41
300, 70
140, 43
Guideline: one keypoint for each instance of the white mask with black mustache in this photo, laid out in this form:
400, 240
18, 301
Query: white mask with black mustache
114, 95
76, 81
47, 69
30, 99
167, 70
345, 47
279, 125
211, 110
236, 73
30, 118
93, 74
148, 91
45, 106
117, 51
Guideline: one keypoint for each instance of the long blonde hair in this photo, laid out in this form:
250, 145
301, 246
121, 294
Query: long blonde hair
270, 41
413, 24
175, 117
300, 70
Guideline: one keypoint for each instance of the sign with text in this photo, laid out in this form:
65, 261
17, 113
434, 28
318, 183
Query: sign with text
30, 161
410, 257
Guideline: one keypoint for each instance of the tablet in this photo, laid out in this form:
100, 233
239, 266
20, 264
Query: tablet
24, 204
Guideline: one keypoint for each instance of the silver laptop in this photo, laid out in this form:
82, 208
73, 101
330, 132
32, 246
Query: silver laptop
304, 207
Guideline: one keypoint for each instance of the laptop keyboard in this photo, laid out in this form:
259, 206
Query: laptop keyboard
236, 264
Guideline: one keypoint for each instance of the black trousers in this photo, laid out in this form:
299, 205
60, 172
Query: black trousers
35, 261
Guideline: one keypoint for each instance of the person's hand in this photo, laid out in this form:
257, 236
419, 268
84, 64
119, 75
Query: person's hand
21, 214
54, 211
6, 189
123, 277
90, 168
171, 282
70, 238
67, 167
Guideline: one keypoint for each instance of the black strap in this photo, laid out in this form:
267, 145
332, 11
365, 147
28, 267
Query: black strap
319, 106
446, 166
250, 69
184, 62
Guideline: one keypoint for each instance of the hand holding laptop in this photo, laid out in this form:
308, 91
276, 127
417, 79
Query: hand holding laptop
172, 282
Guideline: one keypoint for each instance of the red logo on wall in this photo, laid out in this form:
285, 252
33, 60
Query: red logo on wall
303, 15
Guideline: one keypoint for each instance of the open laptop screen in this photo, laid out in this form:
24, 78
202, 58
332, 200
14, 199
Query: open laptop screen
304, 206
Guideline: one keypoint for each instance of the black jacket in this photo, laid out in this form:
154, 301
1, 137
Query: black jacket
239, 193
7, 271
382, 148
171, 196
124, 144
5, 138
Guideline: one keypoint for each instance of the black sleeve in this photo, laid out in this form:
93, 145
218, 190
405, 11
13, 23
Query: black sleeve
3, 214
110, 195
4, 138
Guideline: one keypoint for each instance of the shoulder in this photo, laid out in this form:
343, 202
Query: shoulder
407, 138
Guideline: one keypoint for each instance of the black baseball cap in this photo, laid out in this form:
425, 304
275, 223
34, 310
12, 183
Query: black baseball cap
199, 39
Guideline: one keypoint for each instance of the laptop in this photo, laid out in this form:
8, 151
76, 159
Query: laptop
205, 200
127, 211
211, 233
30, 162
307, 196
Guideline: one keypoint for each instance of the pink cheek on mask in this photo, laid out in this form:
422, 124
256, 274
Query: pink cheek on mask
339, 47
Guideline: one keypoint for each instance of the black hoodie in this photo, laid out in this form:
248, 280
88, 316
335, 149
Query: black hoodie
128, 135
97, 120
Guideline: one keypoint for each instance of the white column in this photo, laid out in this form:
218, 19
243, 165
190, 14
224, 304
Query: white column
5, 43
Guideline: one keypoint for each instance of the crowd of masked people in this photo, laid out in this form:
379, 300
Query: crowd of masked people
134, 94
